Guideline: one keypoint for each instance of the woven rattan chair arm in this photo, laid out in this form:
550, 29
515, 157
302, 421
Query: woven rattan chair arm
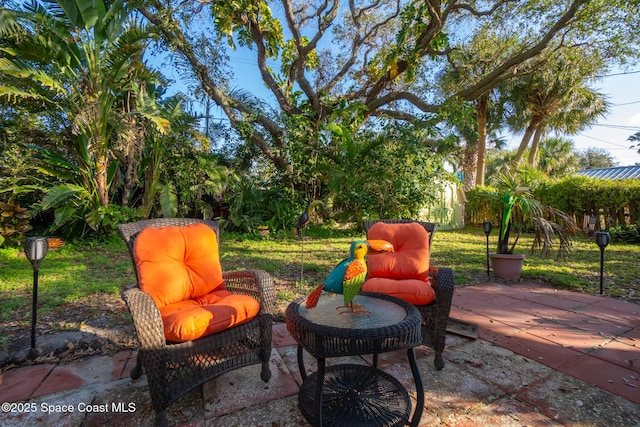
442, 281
146, 318
255, 283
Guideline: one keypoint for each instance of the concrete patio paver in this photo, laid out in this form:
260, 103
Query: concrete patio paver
19, 384
549, 364
247, 388
570, 328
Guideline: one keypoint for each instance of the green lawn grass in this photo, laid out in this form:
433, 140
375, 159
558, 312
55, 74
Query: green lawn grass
465, 252
80, 272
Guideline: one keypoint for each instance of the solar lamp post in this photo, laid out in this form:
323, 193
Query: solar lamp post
602, 239
36, 249
487, 226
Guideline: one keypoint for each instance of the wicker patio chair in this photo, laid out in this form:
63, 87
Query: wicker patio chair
435, 314
174, 368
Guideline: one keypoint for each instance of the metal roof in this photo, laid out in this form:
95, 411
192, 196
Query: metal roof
621, 172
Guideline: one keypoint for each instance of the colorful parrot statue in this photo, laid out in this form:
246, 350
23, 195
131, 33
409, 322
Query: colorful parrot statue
305, 216
348, 276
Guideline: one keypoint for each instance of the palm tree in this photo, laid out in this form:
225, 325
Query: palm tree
554, 99
466, 66
76, 62
519, 208
557, 157
635, 138
82, 64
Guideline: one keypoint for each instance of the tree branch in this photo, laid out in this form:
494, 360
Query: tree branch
399, 115
472, 10
258, 39
414, 99
174, 36
422, 43
296, 72
501, 72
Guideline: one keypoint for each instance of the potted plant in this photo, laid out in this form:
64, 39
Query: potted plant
518, 202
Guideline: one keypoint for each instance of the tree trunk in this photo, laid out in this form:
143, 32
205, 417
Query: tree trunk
101, 180
535, 144
132, 148
469, 167
533, 125
152, 178
130, 174
481, 117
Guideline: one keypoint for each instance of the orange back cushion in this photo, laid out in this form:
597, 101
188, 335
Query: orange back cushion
410, 258
177, 263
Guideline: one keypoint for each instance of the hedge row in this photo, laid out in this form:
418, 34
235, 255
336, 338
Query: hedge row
617, 201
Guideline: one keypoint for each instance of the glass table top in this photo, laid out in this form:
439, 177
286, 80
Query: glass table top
382, 312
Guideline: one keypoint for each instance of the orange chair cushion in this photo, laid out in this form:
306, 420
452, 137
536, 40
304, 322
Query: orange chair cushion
415, 291
177, 263
410, 257
214, 312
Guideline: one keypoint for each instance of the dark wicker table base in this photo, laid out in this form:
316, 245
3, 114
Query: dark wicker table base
357, 395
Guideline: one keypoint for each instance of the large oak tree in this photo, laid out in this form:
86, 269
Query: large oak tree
369, 62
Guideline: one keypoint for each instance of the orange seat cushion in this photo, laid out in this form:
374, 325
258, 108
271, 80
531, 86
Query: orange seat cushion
214, 312
410, 256
415, 291
177, 263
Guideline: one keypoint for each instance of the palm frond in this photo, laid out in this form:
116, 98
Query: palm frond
554, 224
168, 201
60, 194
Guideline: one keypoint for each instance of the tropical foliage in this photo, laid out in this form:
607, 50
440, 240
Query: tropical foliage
14, 222
556, 98
365, 104
513, 205
105, 129
79, 67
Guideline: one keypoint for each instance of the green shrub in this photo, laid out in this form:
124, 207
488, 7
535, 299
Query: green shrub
617, 200
625, 233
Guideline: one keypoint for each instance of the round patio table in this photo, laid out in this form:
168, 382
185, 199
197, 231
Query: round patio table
351, 394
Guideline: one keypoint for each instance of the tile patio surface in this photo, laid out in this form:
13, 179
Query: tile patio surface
544, 357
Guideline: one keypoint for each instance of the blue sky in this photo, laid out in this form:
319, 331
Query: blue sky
611, 133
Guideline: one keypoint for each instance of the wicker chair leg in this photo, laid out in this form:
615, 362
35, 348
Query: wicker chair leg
265, 375
136, 372
438, 361
161, 419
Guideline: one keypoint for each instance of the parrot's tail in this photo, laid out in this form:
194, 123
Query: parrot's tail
312, 299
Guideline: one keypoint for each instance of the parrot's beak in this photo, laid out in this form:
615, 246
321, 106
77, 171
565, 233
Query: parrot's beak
379, 246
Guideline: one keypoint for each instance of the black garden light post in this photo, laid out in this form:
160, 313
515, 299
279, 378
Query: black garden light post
487, 226
36, 249
602, 239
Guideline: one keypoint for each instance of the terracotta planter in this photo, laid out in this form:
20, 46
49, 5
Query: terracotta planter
507, 266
